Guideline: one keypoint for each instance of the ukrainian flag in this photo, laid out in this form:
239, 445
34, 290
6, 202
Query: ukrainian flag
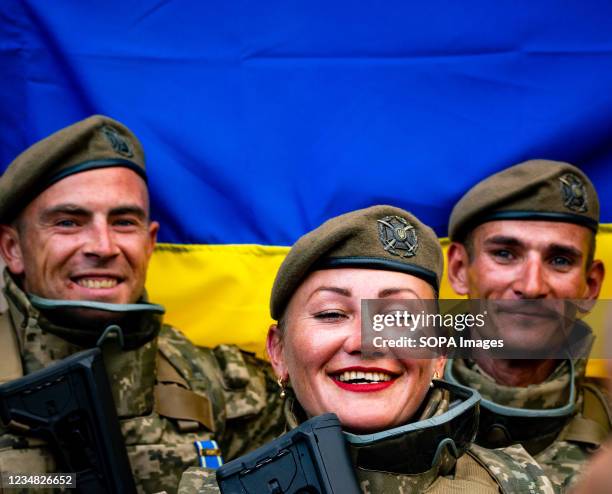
262, 120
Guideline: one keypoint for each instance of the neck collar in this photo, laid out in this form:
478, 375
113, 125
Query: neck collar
429, 445
132, 325
416, 448
502, 424
84, 324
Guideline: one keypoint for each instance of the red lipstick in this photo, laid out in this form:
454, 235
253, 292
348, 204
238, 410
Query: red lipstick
363, 387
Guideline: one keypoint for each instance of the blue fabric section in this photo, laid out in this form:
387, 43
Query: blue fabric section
261, 120
205, 459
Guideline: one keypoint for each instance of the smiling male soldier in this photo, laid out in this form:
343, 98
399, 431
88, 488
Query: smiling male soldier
528, 233
75, 226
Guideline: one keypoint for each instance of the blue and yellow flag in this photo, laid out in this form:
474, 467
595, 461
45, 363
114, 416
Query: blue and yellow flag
262, 120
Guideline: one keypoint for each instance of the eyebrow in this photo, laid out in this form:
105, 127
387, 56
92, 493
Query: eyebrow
564, 250
334, 289
387, 292
72, 209
128, 209
503, 240
553, 249
76, 210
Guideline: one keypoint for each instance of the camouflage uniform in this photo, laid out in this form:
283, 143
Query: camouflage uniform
563, 456
478, 471
244, 411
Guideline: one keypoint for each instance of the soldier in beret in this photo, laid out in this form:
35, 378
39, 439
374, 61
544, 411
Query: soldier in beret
527, 234
76, 237
396, 414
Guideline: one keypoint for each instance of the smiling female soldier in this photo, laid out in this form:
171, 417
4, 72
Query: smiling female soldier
406, 430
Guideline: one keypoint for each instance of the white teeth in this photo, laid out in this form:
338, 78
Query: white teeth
97, 283
363, 376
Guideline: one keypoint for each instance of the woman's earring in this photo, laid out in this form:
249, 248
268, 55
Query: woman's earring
283, 390
435, 376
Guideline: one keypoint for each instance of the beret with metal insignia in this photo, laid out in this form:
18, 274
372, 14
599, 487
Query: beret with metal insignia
378, 237
96, 142
534, 190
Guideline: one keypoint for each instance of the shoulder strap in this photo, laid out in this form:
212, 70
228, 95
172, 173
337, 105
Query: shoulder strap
10, 363
594, 424
167, 374
514, 469
174, 399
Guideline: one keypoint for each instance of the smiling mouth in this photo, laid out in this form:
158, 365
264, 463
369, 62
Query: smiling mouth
359, 377
363, 380
97, 282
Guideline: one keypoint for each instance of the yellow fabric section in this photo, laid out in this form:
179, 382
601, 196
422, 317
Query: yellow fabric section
220, 293
216, 293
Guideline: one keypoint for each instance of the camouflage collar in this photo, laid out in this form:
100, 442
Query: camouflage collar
132, 324
553, 393
440, 435
532, 416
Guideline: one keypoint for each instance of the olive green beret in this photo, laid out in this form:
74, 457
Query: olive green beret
96, 142
533, 190
379, 237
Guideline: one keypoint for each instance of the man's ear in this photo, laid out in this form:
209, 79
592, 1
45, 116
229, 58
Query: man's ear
594, 278
153, 230
274, 347
10, 249
458, 262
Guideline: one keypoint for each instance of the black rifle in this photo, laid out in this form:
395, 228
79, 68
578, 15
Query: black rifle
312, 459
70, 404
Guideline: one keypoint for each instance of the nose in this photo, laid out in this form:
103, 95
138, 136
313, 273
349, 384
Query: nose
531, 281
100, 242
352, 342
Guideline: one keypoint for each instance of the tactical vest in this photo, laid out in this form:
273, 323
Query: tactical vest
479, 471
562, 453
170, 397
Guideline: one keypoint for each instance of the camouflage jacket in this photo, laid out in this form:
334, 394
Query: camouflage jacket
243, 407
562, 454
478, 471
